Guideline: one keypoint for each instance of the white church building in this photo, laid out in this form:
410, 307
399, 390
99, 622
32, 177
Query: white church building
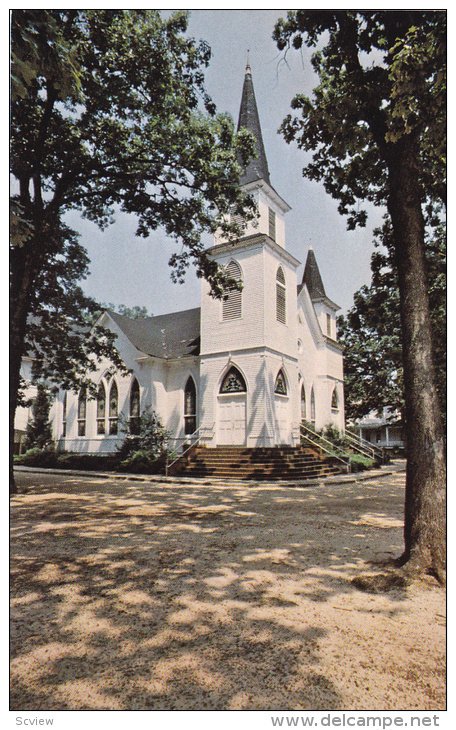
245, 371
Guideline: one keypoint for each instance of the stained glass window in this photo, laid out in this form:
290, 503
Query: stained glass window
64, 414
113, 408
334, 400
101, 409
303, 403
82, 408
134, 407
312, 406
190, 407
280, 384
233, 382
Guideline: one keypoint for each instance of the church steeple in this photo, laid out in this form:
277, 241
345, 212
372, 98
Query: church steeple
312, 277
257, 169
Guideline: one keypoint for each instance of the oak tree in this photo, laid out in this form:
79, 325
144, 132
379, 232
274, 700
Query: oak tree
371, 330
109, 112
376, 128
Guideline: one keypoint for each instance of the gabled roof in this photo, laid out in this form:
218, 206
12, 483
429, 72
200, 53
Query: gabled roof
167, 336
257, 169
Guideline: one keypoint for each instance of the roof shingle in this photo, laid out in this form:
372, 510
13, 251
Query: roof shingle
167, 336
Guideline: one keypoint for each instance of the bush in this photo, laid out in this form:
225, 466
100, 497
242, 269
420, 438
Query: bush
145, 451
37, 457
359, 462
141, 462
38, 433
48, 458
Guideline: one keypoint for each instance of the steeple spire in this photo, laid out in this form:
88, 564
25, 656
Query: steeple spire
257, 169
312, 278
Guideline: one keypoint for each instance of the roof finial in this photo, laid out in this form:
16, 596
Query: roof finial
248, 70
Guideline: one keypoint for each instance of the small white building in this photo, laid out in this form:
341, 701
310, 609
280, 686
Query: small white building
385, 430
243, 371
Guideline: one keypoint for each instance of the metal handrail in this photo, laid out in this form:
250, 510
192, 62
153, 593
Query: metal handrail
194, 443
354, 444
366, 444
345, 462
317, 435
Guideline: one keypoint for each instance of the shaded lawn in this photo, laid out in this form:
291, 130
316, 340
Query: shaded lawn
130, 595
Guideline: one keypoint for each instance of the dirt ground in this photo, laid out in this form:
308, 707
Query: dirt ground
130, 595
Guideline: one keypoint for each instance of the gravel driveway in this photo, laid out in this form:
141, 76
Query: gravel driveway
130, 595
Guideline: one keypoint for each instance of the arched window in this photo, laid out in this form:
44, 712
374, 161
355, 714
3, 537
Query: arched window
232, 303
280, 386
134, 407
303, 403
334, 400
113, 408
101, 409
233, 382
312, 406
281, 298
190, 407
82, 411
64, 414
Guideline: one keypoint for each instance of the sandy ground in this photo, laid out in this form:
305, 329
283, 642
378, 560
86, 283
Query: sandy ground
129, 596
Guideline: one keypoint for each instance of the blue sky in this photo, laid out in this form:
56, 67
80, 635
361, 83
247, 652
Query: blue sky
134, 271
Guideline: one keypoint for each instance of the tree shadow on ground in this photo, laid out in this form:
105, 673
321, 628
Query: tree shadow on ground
132, 595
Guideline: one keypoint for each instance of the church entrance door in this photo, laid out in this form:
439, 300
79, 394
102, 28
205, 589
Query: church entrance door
232, 411
282, 418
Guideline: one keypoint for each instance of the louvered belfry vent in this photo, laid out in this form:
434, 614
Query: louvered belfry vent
232, 304
281, 301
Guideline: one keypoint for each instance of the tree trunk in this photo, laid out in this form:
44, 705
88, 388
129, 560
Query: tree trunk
425, 503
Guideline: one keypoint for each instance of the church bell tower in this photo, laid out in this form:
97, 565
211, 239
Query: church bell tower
248, 340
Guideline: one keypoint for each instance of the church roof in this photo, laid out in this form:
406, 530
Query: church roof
257, 169
312, 278
167, 336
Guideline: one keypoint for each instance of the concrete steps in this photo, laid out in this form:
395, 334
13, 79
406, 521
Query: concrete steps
238, 462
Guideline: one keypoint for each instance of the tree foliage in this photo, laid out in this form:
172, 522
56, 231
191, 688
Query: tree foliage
109, 112
38, 433
371, 330
382, 76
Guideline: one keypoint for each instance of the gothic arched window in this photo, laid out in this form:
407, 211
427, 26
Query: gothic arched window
190, 407
280, 386
134, 407
233, 382
232, 302
312, 406
334, 400
281, 297
303, 403
113, 408
64, 414
101, 409
82, 411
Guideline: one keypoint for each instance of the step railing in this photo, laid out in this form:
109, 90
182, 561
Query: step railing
315, 439
188, 442
375, 452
